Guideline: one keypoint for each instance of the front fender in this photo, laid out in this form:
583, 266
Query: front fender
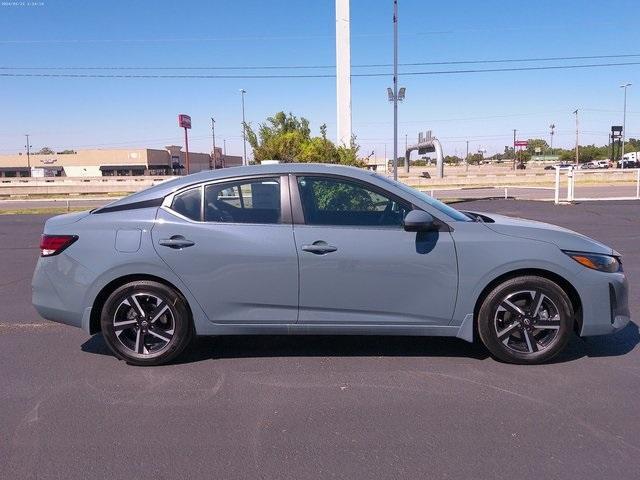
484, 255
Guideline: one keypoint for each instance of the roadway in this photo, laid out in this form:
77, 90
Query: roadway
317, 407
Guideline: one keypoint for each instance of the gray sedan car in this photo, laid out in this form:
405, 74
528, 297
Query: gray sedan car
319, 249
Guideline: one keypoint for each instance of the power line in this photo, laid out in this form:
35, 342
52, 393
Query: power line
309, 67
322, 75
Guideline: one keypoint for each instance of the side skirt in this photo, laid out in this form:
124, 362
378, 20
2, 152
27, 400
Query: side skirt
328, 329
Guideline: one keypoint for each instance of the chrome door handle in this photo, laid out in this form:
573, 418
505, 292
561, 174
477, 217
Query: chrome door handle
319, 248
177, 242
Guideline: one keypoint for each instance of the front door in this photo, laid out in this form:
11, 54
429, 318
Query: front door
359, 266
233, 247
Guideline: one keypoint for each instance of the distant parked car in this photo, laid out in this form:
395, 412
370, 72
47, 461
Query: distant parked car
602, 164
559, 165
319, 249
588, 166
628, 164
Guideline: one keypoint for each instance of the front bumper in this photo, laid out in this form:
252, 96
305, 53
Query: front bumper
605, 302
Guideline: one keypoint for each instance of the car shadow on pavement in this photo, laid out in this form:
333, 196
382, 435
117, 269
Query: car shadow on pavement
261, 346
614, 345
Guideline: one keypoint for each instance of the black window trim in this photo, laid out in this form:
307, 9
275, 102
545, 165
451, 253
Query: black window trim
298, 212
285, 199
154, 202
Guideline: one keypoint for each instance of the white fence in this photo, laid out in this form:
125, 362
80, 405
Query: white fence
625, 185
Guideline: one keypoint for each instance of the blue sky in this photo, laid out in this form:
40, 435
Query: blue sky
483, 107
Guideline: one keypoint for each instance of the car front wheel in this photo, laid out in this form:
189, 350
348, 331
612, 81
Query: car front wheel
526, 320
146, 323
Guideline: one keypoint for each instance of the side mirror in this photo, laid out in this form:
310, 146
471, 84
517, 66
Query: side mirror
418, 221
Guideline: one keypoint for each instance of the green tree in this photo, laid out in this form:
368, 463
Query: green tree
534, 143
287, 138
475, 159
45, 151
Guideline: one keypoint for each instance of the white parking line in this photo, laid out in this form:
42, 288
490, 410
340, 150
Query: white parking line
27, 326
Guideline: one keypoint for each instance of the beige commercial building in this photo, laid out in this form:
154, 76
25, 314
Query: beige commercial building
130, 162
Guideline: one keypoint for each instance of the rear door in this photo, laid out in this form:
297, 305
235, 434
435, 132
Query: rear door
359, 266
232, 244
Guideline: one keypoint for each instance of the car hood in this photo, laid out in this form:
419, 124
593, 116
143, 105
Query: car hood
564, 238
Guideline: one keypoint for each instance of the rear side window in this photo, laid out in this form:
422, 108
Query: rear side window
188, 203
246, 201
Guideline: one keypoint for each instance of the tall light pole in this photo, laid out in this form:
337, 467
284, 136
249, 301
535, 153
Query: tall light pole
28, 146
244, 129
395, 89
577, 136
624, 121
553, 128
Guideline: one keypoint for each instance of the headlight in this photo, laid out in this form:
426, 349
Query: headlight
596, 261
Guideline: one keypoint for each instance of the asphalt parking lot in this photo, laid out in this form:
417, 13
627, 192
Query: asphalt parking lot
318, 407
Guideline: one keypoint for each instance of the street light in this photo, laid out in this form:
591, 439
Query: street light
394, 93
244, 129
624, 121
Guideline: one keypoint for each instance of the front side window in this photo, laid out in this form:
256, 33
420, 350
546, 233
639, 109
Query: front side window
334, 201
245, 201
188, 203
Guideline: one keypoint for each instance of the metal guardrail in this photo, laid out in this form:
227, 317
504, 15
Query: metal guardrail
76, 186
80, 180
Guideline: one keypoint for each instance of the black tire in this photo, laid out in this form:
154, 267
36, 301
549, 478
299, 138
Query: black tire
535, 337
146, 323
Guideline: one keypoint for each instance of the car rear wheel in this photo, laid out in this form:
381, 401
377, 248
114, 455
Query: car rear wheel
146, 323
526, 320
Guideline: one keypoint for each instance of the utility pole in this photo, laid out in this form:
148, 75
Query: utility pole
244, 129
624, 122
577, 136
552, 127
514, 148
28, 145
213, 140
466, 159
395, 89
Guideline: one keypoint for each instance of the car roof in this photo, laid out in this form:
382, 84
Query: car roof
167, 187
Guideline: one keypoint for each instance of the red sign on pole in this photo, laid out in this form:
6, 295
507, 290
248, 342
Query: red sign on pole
521, 143
184, 121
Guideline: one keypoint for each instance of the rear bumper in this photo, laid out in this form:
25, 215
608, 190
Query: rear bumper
605, 304
59, 301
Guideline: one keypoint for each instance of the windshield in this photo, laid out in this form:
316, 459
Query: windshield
438, 205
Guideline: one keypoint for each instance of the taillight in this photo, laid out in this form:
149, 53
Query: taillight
54, 244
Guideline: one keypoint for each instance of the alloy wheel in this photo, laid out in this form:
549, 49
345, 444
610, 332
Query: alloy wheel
527, 321
144, 323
